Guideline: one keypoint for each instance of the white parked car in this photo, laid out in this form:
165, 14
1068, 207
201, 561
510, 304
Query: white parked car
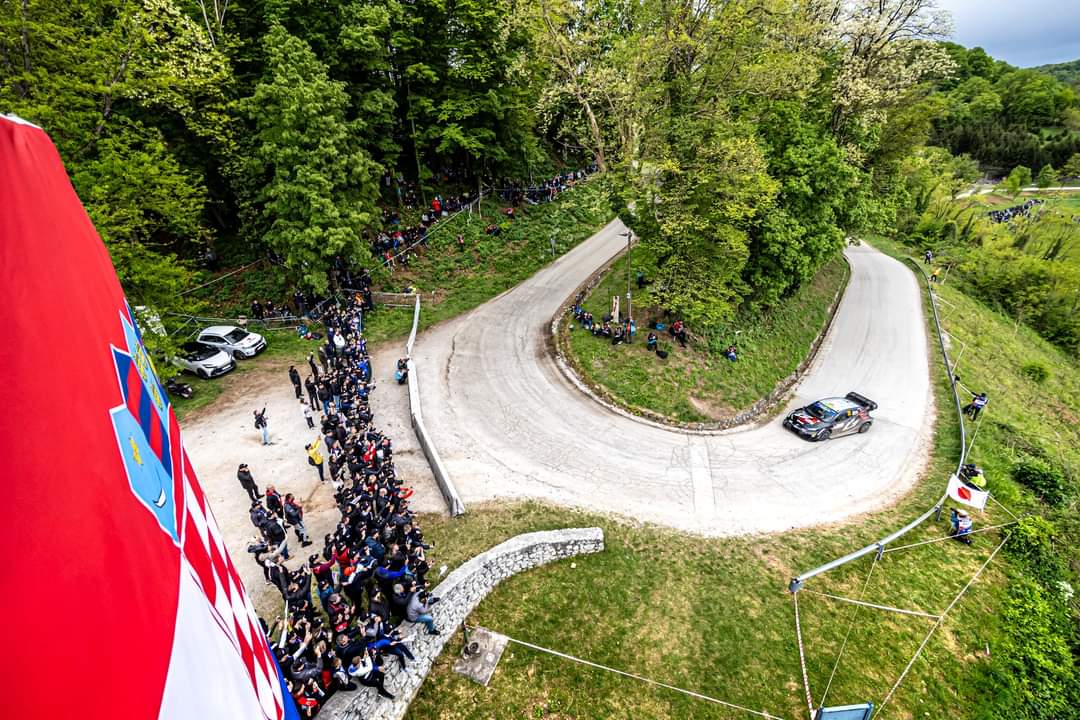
239, 343
204, 360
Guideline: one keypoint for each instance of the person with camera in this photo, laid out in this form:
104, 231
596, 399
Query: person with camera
419, 610
367, 670
262, 425
315, 457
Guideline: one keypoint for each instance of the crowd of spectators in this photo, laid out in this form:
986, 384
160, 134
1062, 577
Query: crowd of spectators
355, 605
1024, 210
534, 193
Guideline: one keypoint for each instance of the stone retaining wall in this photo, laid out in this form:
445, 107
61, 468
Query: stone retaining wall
460, 593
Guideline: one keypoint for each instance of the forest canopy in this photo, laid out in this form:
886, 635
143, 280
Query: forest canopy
742, 140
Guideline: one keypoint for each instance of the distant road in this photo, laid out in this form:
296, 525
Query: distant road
984, 190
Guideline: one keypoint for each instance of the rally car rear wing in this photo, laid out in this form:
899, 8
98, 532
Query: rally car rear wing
861, 400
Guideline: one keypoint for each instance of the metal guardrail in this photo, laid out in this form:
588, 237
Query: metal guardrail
415, 326
438, 469
879, 547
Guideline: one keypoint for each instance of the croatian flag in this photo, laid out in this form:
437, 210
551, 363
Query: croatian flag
121, 599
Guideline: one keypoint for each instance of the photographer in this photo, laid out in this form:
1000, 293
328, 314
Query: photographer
419, 610
261, 425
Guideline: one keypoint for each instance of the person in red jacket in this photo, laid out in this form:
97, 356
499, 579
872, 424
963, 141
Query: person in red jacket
273, 501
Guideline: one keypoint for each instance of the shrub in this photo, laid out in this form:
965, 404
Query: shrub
1033, 674
1032, 542
1036, 371
1041, 477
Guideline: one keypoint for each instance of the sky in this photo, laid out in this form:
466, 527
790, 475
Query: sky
1023, 33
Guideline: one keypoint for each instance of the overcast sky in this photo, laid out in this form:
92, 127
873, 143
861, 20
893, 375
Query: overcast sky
1021, 32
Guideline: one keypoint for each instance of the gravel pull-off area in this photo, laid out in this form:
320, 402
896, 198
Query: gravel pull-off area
221, 436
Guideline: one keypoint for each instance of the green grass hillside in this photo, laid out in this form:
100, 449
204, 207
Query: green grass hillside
713, 615
697, 383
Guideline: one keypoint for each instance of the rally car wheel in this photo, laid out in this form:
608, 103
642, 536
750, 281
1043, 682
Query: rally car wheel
864, 427
824, 435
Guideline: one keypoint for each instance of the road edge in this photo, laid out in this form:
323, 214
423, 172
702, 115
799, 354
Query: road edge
763, 409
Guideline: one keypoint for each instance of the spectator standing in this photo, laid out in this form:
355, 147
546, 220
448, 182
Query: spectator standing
315, 457
307, 415
294, 516
276, 538
261, 425
273, 501
247, 482
294, 376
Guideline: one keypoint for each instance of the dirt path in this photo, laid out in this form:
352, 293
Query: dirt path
221, 436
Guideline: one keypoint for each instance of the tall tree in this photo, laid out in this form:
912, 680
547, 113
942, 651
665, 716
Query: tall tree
125, 89
314, 187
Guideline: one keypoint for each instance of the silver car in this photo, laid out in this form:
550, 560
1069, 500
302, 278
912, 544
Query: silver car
237, 342
204, 360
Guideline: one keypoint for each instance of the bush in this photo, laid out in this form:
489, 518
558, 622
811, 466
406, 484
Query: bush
1031, 541
1036, 371
1033, 674
1041, 477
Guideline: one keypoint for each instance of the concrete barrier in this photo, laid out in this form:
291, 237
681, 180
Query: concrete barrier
438, 469
459, 594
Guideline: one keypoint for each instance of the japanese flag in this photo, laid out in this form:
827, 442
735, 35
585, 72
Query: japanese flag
961, 492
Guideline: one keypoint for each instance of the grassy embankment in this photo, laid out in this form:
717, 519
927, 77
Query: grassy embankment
460, 278
713, 615
696, 383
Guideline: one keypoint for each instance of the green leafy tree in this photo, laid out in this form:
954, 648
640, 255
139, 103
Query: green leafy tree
134, 96
1018, 179
315, 187
1033, 99
1071, 169
1047, 177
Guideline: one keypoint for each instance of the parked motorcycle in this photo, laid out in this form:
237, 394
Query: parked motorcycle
180, 389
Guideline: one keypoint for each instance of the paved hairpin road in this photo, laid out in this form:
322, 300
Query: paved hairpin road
509, 424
